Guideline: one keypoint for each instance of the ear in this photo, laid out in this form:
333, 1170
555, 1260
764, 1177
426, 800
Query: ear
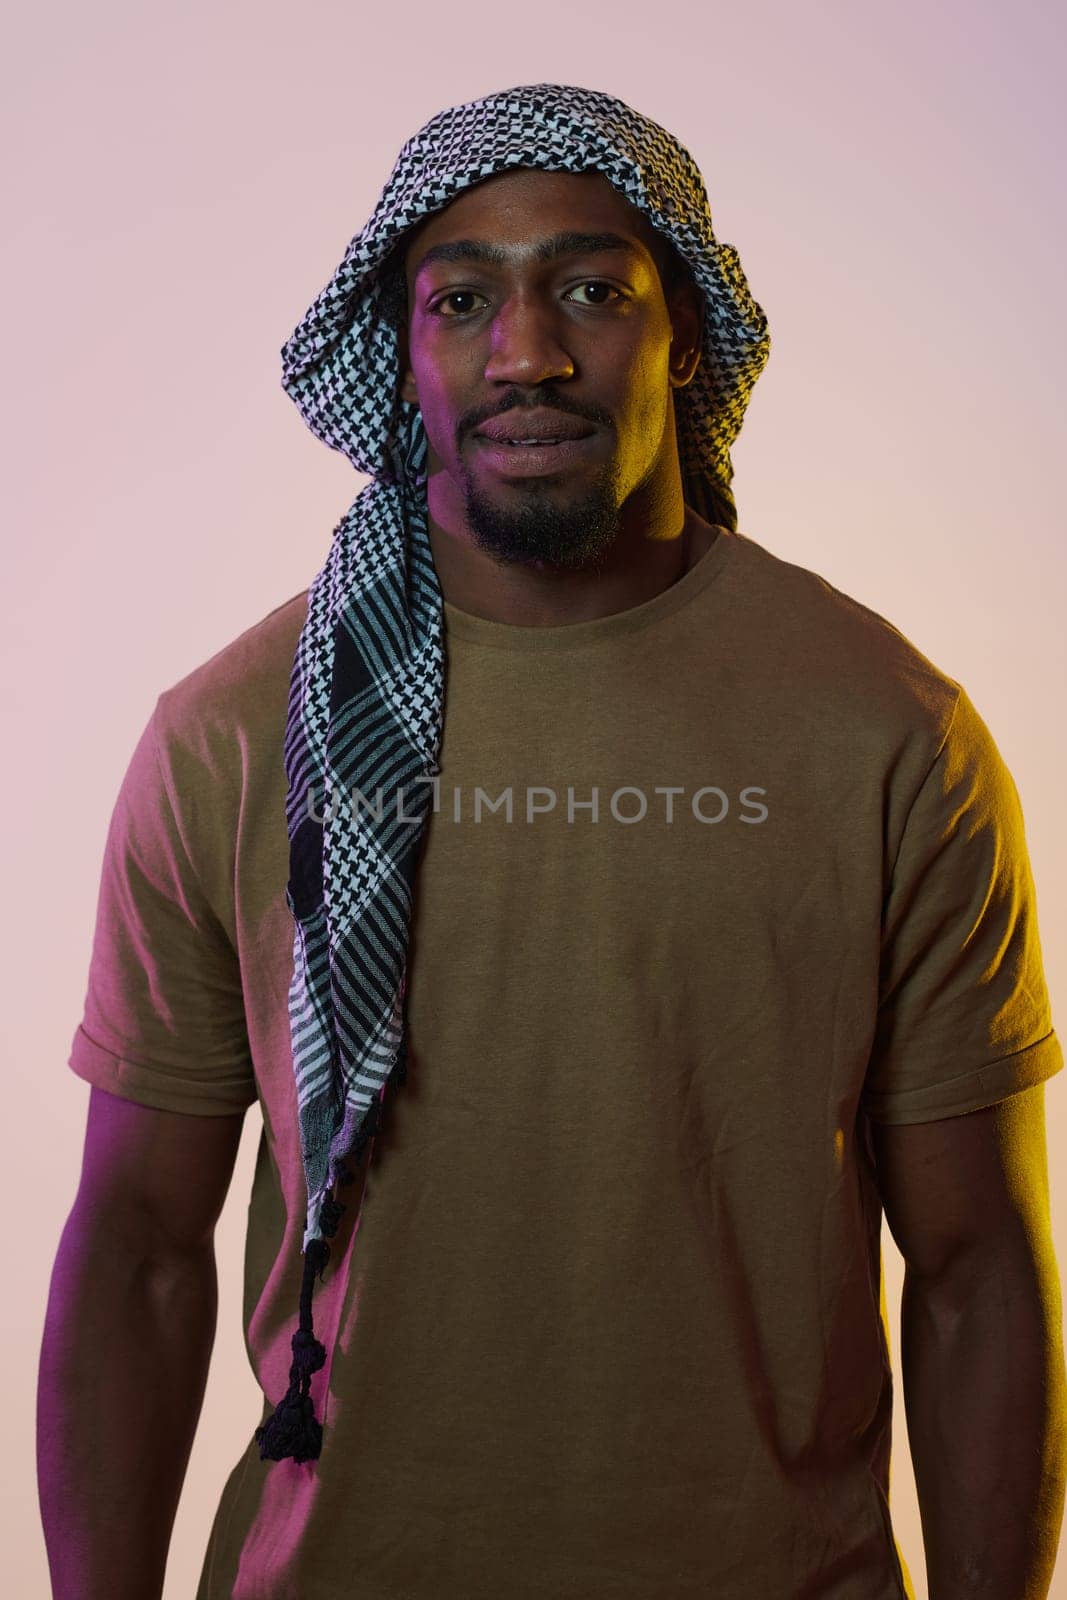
687, 332
407, 377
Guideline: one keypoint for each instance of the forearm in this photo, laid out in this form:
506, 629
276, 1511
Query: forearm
984, 1386
124, 1362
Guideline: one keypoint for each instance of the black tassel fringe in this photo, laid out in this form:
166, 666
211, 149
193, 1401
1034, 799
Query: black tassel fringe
292, 1429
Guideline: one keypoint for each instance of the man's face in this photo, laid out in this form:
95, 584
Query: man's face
586, 332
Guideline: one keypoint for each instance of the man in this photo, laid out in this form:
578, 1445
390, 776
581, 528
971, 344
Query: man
702, 930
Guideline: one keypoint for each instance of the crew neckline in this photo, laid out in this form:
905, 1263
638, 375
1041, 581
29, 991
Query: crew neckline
570, 635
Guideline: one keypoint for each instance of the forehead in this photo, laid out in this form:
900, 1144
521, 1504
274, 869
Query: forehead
528, 214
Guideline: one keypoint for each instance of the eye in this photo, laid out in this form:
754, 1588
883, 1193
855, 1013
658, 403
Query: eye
598, 283
465, 294
455, 294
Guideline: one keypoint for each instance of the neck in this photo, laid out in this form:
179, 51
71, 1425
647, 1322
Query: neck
635, 569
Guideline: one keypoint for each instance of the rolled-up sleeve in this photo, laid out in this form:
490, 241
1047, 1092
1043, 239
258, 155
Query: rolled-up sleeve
164, 1017
964, 1018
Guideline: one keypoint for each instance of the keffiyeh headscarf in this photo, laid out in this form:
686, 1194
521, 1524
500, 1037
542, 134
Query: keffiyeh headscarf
367, 691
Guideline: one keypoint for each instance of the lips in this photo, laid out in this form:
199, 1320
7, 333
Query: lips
534, 460
534, 428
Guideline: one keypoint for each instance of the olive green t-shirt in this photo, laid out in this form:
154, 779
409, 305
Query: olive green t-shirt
604, 1317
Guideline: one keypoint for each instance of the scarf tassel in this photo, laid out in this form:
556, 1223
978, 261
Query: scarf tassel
292, 1429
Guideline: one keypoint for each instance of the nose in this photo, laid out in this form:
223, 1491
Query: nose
526, 345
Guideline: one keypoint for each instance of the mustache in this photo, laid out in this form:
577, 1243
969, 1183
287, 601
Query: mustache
540, 402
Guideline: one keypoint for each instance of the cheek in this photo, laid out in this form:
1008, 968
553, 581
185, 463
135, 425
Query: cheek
644, 404
435, 405
443, 397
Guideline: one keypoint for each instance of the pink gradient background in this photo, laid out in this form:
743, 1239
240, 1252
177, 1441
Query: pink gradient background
181, 183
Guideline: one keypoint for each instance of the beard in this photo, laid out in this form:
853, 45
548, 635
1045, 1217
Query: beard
533, 522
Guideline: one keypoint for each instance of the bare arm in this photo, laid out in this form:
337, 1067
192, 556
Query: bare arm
981, 1345
127, 1343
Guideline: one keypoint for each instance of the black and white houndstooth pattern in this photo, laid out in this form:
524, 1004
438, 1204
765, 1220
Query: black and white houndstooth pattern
366, 697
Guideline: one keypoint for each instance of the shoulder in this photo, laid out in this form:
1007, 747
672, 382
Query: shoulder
838, 662
219, 731
239, 694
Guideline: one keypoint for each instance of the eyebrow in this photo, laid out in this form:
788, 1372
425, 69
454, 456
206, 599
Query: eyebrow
560, 244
